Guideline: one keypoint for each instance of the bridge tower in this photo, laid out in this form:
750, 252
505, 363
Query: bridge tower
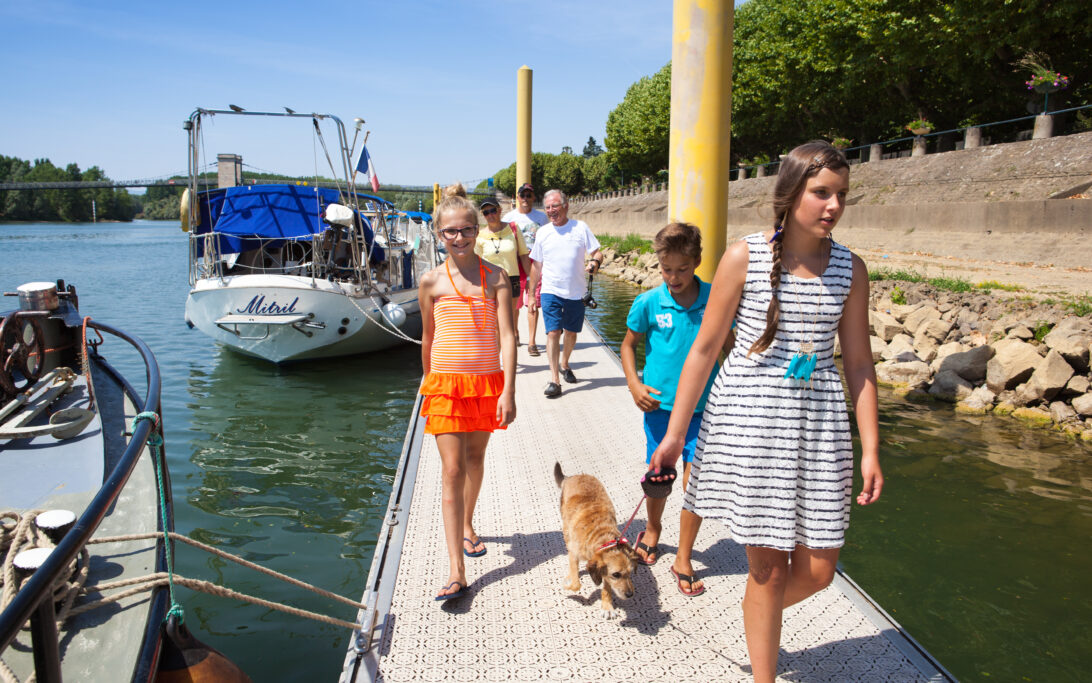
229, 170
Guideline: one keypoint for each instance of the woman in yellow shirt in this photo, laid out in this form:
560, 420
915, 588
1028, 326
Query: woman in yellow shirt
503, 246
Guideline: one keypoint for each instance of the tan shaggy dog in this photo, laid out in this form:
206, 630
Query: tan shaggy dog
591, 534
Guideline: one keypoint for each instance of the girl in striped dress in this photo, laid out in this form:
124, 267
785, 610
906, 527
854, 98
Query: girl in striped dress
467, 394
774, 458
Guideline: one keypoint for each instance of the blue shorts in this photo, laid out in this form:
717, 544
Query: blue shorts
562, 314
656, 428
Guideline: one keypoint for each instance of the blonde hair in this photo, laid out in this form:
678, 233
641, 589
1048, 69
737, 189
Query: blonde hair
454, 190
801, 163
453, 199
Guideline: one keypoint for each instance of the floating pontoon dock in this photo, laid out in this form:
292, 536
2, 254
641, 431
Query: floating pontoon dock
517, 622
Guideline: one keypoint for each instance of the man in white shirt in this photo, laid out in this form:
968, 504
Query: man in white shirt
557, 261
528, 219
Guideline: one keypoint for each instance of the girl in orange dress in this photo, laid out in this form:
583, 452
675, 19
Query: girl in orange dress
466, 392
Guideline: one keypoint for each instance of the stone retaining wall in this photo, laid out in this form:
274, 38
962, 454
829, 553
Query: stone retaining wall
1008, 202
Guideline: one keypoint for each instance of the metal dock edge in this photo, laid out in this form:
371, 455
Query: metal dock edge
362, 660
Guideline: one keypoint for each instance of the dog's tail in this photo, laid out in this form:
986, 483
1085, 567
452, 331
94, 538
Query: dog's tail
559, 476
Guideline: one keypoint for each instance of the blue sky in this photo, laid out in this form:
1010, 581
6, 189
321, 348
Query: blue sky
110, 83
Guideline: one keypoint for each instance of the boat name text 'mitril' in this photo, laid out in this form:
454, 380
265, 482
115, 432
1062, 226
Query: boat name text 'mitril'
257, 306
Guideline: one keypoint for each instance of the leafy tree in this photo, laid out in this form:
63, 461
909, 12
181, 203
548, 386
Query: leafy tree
592, 148
505, 180
595, 173
73, 205
15, 205
158, 192
863, 68
563, 172
639, 129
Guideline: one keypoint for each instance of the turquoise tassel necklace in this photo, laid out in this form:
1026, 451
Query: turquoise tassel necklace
803, 362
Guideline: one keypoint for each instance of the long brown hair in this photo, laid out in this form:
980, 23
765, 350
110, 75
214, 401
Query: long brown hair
798, 165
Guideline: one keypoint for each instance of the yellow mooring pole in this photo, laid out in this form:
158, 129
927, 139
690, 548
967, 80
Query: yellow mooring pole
701, 122
523, 127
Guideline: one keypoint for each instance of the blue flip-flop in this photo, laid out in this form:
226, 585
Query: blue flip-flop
451, 596
476, 553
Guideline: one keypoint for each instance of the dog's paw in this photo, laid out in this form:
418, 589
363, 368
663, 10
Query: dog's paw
611, 613
573, 586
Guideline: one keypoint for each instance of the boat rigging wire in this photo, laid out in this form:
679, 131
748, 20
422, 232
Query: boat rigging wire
329, 161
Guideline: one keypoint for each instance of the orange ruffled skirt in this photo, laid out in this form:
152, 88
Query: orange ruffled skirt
461, 402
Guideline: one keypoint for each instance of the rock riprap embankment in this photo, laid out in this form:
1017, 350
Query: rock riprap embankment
980, 351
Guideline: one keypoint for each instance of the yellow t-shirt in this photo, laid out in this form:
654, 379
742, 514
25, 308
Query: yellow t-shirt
501, 248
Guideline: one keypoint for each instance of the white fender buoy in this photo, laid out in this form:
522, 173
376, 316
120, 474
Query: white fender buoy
184, 210
394, 314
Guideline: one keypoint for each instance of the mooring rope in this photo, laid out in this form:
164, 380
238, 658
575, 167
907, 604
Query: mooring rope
155, 442
24, 535
378, 323
233, 558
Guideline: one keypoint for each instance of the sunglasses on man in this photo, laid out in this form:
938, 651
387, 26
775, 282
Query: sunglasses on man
467, 232
526, 193
489, 211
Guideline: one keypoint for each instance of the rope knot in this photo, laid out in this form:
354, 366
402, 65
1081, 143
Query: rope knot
154, 439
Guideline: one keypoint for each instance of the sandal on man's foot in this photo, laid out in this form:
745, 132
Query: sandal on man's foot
649, 551
690, 579
473, 544
553, 390
532, 349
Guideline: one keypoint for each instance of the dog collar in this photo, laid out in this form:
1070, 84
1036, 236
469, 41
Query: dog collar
611, 544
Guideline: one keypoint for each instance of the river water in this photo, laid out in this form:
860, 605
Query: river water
974, 547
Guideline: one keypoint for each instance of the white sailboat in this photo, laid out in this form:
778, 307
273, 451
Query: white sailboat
290, 272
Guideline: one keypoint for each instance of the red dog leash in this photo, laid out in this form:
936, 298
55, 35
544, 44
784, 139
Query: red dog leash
650, 487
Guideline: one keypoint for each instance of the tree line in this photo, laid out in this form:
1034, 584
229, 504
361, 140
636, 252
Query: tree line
114, 204
160, 202
853, 69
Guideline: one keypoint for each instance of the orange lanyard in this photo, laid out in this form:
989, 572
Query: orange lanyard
469, 300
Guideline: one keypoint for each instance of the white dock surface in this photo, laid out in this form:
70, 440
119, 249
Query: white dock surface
518, 624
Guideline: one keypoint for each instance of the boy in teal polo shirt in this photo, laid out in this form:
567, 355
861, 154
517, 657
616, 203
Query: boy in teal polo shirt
668, 318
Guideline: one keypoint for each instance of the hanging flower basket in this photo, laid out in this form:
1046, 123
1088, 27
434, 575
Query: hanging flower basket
920, 126
1047, 82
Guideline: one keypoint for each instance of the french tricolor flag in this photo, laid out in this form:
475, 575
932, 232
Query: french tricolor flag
365, 166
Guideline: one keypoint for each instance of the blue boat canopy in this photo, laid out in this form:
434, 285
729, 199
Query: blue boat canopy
419, 216
248, 216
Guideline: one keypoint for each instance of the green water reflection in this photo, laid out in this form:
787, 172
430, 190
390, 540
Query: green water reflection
292, 468
976, 547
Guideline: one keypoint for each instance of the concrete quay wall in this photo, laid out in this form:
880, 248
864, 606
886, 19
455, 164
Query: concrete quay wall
1021, 202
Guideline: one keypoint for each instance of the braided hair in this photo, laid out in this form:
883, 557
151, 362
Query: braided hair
801, 163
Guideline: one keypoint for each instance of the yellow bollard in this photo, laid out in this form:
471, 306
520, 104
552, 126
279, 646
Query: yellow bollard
701, 122
435, 196
523, 126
